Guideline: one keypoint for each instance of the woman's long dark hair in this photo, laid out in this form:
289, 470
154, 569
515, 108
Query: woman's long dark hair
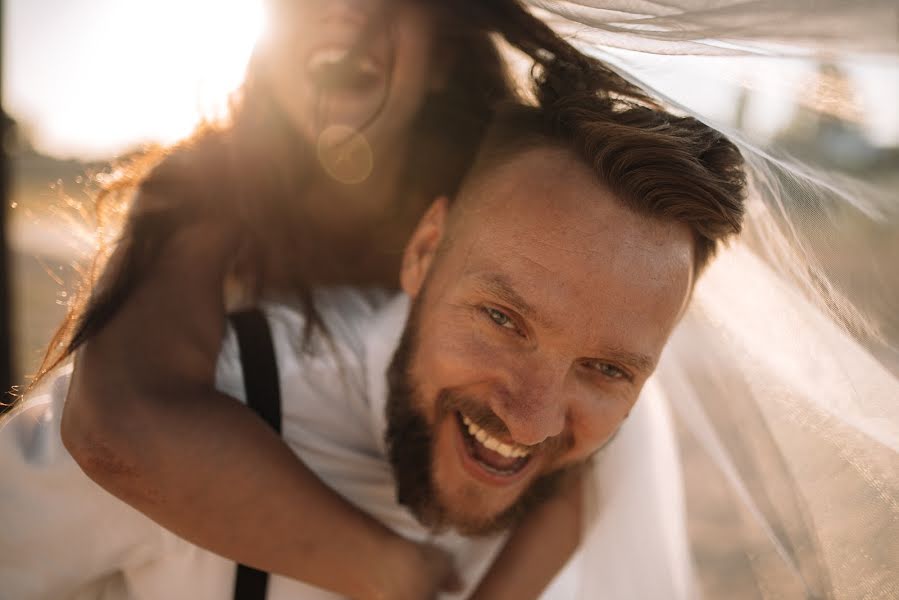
251, 172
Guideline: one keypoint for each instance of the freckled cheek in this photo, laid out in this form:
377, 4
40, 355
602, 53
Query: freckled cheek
594, 422
459, 356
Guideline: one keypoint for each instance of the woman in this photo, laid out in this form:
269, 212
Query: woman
343, 133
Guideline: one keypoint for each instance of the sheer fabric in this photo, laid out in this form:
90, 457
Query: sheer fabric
784, 375
797, 27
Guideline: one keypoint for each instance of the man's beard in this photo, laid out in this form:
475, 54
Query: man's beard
410, 442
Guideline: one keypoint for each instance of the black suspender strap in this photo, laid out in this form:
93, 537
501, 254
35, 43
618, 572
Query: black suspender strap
260, 370
261, 384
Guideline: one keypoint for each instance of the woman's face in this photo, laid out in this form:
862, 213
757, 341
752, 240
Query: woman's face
377, 92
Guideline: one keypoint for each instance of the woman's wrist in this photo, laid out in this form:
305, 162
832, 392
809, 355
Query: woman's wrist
380, 567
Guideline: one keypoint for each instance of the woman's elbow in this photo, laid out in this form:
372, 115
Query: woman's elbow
95, 437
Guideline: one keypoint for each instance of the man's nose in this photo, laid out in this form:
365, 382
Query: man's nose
534, 405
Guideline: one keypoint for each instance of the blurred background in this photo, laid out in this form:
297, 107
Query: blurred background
88, 81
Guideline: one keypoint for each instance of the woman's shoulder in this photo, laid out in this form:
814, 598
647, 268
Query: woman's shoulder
342, 310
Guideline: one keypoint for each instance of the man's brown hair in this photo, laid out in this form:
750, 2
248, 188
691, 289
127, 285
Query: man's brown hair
658, 164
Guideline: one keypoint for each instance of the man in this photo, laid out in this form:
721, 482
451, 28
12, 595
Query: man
535, 308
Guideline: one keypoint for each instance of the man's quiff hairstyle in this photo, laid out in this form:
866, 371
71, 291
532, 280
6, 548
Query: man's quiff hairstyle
659, 165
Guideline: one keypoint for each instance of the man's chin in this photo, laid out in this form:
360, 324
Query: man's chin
479, 522
472, 500
444, 496
475, 505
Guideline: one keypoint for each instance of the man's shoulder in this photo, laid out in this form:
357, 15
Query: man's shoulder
335, 344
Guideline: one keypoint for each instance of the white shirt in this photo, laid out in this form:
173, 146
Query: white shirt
62, 536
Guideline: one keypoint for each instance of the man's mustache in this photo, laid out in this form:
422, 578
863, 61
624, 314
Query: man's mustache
449, 401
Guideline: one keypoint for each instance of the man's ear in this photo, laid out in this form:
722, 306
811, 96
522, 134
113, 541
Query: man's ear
422, 247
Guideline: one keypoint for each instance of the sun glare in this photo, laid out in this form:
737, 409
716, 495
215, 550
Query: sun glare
200, 58
218, 37
128, 72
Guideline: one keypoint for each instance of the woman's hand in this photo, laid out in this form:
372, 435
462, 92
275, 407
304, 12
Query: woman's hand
413, 571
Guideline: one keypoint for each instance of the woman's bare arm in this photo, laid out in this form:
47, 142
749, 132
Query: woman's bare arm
538, 548
144, 421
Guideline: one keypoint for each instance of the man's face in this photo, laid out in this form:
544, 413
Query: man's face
540, 306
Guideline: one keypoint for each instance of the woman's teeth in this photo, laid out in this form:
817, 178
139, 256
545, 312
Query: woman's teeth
491, 443
326, 56
332, 57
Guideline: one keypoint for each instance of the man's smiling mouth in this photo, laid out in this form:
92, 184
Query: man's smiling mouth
497, 461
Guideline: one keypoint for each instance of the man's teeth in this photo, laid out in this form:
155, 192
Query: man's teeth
491, 443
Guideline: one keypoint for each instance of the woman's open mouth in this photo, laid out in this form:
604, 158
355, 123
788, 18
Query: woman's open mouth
489, 459
336, 70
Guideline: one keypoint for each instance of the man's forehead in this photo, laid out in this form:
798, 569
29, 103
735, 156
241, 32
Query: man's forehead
539, 170
545, 233
570, 202
548, 206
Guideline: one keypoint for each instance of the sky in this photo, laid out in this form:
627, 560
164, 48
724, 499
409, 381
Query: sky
93, 78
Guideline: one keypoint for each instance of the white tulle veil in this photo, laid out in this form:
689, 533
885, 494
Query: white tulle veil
784, 375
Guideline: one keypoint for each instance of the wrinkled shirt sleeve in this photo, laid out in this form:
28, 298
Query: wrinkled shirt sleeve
61, 535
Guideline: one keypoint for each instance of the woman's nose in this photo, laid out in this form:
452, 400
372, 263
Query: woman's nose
357, 12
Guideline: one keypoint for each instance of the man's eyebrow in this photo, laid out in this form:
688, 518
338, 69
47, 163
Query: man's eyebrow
639, 362
499, 286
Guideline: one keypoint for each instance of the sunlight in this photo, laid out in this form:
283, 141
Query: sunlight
217, 38
124, 73
199, 59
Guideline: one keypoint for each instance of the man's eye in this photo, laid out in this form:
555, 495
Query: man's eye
500, 318
607, 369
